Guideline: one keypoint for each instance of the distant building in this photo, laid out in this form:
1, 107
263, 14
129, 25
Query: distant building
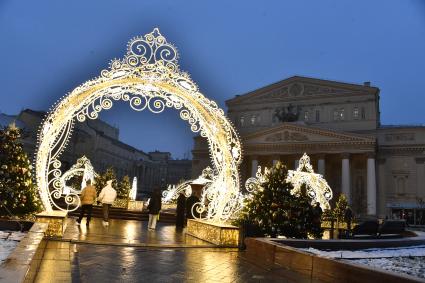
179, 170
100, 142
380, 168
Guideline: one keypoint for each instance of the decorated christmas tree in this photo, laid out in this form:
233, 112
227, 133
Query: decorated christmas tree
340, 208
275, 210
18, 194
101, 179
124, 188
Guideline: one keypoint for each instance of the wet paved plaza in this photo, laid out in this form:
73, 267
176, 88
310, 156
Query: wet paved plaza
131, 232
127, 252
95, 263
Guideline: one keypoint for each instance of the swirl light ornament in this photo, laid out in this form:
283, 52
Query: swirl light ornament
173, 191
317, 187
148, 78
84, 168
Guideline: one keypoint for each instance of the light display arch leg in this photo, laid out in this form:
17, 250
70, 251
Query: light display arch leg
148, 77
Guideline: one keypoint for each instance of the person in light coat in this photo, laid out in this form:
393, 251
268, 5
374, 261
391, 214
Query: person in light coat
107, 197
88, 197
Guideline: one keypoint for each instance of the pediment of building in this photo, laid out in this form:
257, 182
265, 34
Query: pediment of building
296, 133
301, 87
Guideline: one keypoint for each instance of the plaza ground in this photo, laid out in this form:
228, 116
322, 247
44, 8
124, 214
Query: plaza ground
127, 252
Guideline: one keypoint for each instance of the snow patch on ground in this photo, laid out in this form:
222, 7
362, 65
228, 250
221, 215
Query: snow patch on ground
413, 251
414, 266
407, 260
8, 242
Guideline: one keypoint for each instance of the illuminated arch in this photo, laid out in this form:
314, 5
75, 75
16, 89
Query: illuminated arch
148, 77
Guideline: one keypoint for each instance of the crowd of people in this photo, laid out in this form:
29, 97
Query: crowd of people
186, 207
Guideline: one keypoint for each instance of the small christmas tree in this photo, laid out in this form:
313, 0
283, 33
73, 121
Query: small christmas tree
101, 179
18, 194
275, 210
340, 208
124, 188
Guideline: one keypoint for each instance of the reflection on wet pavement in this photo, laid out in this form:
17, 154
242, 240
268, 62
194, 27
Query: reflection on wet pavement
96, 263
129, 232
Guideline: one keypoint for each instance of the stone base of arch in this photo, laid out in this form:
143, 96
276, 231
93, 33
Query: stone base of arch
56, 221
222, 235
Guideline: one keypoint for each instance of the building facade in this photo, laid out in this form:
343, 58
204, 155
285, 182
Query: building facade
100, 142
379, 168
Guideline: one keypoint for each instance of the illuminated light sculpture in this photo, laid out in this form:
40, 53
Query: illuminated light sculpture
148, 78
82, 167
133, 191
173, 191
317, 187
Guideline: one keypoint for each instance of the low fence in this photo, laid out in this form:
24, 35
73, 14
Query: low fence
24, 261
294, 265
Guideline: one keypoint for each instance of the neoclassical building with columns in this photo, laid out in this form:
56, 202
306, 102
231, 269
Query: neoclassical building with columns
380, 168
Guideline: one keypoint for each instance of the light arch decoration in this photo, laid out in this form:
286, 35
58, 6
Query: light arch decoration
83, 168
148, 78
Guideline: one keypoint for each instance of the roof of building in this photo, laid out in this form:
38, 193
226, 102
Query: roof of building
364, 86
406, 126
6, 120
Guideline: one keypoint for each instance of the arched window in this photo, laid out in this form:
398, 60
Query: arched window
401, 185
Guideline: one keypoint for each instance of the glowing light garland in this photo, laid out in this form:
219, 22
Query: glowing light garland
148, 78
173, 191
83, 168
133, 191
317, 187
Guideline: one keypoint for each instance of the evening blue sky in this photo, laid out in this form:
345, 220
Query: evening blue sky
229, 47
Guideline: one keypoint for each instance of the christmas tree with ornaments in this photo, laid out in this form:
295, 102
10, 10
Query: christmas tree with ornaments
18, 193
277, 212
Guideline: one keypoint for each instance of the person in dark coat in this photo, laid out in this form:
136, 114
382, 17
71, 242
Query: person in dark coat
180, 211
348, 217
154, 207
317, 217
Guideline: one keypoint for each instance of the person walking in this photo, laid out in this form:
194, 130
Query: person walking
88, 197
317, 219
154, 207
107, 197
180, 211
348, 217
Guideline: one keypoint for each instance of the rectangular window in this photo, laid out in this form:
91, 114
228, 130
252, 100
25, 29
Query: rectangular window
336, 115
339, 114
363, 113
356, 113
242, 121
252, 119
306, 116
317, 116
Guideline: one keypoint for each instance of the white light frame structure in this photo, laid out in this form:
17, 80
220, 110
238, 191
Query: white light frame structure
82, 167
173, 191
148, 77
317, 188
133, 191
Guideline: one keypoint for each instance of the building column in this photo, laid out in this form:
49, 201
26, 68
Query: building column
371, 185
420, 183
254, 166
296, 163
321, 165
345, 177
